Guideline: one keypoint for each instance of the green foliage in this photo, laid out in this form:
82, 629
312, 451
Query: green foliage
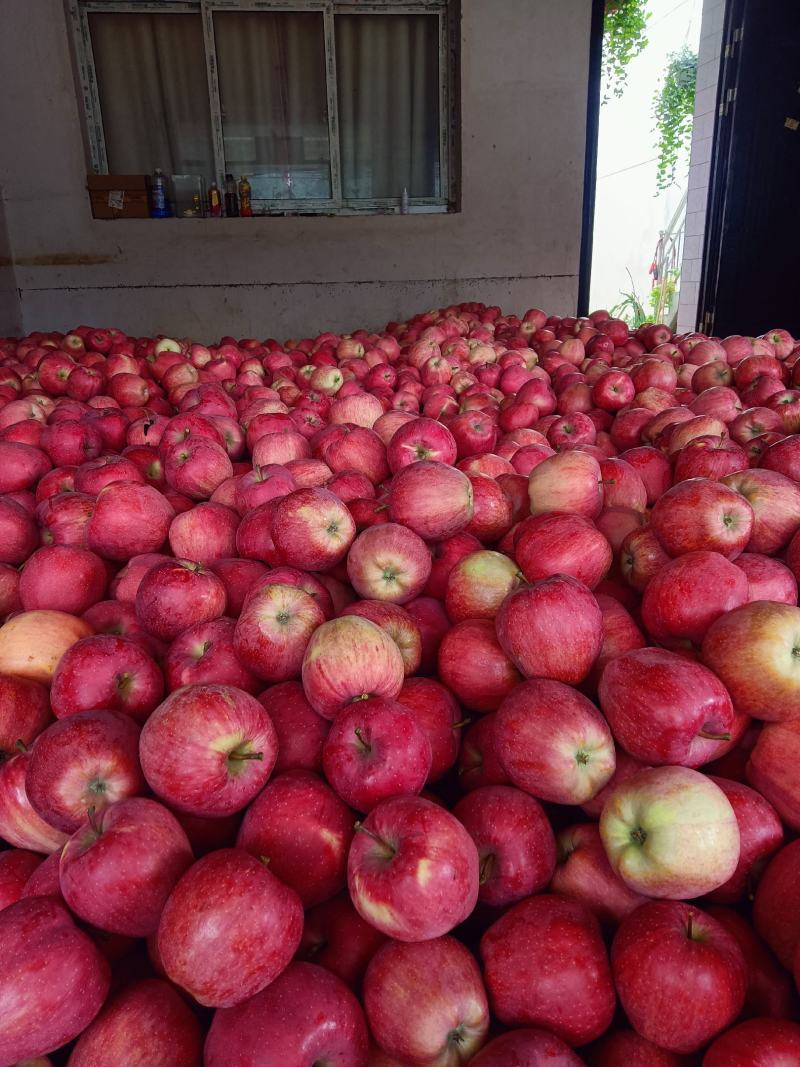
662, 296
623, 39
630, 308
673, 110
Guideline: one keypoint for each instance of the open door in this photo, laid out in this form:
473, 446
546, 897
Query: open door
751, 261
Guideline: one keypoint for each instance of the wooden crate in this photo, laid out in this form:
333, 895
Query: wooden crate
119, 196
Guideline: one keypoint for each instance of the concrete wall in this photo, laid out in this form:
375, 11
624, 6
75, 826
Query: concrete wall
515, 242
10, 307
705, 107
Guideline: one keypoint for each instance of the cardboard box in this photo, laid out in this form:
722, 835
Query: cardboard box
119, 196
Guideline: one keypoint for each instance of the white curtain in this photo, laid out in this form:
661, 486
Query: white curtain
151, 75
271, 68
388, 86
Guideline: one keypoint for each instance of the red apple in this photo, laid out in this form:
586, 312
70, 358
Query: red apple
24, 713
118, 869
670, 832
474, 666
376, 749
754, 651
432, 499
89, 760
770, 991
768, 579
545, 965
204, 534
551, 629
703, 515
338, 939
553, 742
18, 534
274, 628
20, 825
772, 769
228, 929
129, 519
551, 544
307, 1015
478, 762
776, 907
397, 623
147, 1016
478, 584
238, 576
756, 1043
439, 716
53, 980
312, 529
420, 439
177, 594
641, 557
62, 578
300, 731
105, 671
775, 500
528, 1048
760, 835
16, 867
208, 749
583, 873
515, 843
569, 482
347, 659
663, 708
413, 870
438, 983
688, 594
205, 653
680, 976
300, 825
388, 562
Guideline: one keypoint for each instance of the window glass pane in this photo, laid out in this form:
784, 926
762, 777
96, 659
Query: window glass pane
151, 76
271, 69
388, 82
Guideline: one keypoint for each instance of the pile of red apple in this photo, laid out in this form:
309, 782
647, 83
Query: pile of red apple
419, 698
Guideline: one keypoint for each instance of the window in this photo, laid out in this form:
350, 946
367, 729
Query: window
326, 107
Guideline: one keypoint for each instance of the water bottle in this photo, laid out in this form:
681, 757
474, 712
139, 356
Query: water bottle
159, 199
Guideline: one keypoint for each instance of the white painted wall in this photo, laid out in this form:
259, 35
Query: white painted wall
705, 105
515, 242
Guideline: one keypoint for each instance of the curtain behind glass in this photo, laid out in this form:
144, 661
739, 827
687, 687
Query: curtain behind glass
151, 77
271, 69
388, 83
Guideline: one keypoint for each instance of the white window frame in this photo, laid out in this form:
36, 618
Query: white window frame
447, 12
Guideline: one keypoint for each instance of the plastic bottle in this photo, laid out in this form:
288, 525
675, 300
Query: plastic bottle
404, 202
214, 201
245, 203
159, 197
231, 199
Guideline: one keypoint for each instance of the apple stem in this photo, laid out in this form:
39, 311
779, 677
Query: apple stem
462, 724
246, 755
486, 868
714, 737
364, 744
20, 746
264, 860
91, 815
360, 828
689, 925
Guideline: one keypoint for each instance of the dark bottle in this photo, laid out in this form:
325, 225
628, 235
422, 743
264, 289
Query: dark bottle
231, 199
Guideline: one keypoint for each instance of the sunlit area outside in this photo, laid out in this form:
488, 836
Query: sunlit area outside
650, 58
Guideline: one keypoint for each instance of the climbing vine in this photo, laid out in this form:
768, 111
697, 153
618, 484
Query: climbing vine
673, 109
624, 37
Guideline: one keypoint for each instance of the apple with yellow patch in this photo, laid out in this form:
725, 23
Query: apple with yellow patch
670, 832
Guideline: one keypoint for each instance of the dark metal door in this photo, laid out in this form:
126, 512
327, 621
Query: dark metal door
751, 273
